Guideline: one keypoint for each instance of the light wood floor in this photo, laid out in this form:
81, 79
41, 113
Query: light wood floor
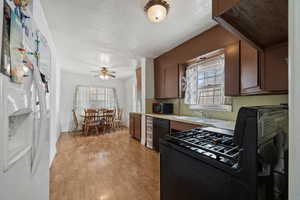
106, 167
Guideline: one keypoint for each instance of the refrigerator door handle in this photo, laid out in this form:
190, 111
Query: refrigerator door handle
40, 134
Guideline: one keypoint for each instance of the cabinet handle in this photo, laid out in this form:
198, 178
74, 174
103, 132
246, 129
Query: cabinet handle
286, 60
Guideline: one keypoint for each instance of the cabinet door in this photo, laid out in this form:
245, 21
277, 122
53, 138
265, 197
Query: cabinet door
181, 126
161, 127
171, 82
250, 70
131, 124
166, 82
158, 77
137, 127
183, 177
276, 68
155, 134
232, 70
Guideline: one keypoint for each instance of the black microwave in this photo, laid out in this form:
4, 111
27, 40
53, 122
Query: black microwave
162, 108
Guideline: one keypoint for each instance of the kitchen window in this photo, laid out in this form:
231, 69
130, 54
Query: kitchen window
205, 85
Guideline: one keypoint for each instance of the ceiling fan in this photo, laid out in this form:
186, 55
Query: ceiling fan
104, 73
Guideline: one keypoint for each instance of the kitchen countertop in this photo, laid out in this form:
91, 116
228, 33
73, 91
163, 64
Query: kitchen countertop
197, 120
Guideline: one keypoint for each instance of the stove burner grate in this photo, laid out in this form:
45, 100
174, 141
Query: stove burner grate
214, 145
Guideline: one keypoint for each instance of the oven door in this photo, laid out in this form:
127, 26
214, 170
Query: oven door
184, 177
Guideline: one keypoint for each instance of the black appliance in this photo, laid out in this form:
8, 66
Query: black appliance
249, 163
162, 108
161, 127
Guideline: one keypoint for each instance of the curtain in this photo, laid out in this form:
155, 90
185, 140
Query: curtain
94, 97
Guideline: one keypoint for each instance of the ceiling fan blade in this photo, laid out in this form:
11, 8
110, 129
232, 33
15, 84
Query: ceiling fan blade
112, 72
111, 75
95, 71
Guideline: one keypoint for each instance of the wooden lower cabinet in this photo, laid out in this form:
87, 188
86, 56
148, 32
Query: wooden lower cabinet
162, 127
135, 125
182, 126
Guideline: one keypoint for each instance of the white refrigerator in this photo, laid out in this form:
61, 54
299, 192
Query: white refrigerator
24, 134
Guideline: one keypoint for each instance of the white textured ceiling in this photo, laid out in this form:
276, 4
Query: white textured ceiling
116, 33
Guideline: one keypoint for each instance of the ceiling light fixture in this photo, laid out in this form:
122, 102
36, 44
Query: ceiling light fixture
105, 74
157, 10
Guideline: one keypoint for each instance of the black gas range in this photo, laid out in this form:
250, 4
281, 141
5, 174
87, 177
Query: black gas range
212, 142
249, 163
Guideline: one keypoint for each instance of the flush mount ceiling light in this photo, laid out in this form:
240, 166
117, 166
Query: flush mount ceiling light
157, 10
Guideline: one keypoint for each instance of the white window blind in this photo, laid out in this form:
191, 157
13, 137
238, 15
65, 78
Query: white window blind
205, 84
92, 97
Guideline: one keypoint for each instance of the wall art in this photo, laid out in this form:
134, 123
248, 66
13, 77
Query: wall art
5, 52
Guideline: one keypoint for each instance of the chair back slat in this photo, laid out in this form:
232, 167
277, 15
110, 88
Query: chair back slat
119, 114
75, 119
91, 114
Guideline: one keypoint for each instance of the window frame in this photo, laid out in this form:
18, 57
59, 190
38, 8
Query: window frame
214, 107
94, 97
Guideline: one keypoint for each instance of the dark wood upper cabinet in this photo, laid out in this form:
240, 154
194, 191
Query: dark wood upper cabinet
276, 68
166, 82
169, 69
262, 27
232, 69
242, 70
262, 23
171, 78
249, 69
158, 79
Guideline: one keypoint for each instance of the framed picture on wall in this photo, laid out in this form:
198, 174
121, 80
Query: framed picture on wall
5, 51
17, 70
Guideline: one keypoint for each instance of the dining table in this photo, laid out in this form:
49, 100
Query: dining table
102, 115
106, 117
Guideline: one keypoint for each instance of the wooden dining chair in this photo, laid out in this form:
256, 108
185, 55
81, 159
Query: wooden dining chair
75, 119
118, 118
78, 125
91, 121
109, 118
101, 119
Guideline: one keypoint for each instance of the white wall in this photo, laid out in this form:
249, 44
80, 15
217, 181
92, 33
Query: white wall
130, 98
69, 81
147, 89
149, 78
42, 24
294, 99
19, 183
